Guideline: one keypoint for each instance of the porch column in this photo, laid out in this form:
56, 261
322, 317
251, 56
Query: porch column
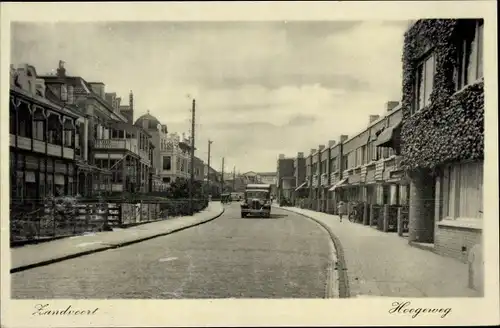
393, 199
124, 172
366, 219
421, 216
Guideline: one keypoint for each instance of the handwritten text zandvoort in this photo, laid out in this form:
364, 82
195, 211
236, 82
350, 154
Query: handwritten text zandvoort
44, 309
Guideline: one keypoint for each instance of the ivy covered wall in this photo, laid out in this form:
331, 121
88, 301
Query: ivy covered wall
451, 128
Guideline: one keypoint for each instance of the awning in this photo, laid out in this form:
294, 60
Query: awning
338, 184
387, 137
301, 186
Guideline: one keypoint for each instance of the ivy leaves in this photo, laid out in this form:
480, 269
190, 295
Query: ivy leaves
451, 128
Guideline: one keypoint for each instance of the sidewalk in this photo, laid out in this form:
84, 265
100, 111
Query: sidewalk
30, 256
383, 264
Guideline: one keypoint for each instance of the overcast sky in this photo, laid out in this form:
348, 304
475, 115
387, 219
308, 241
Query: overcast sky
262, 88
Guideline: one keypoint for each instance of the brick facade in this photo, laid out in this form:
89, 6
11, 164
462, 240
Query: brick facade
456, 242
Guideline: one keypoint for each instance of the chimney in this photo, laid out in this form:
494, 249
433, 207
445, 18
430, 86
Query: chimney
331, 143
343, 137
61, 71
300, 155
321, 147
281, 156
373, 118
118, 102
391, 105
313, 150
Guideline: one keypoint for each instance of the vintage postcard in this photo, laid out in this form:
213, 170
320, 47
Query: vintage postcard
270, 164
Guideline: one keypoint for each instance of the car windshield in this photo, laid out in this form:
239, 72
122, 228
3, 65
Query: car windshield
257, 194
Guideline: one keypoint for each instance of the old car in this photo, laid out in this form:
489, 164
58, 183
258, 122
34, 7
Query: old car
256, 201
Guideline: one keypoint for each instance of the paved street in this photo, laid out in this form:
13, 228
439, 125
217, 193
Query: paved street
383, 264
283, 257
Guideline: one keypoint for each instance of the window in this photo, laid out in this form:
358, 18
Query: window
424, 82
77, 140
68, 138
360, 152
463, 191
351, 160
38, 130
333, 164
470, 54
344, 162
49, 185
71, 91
166, 180
64, 92
41, 186
167, 163
24, 121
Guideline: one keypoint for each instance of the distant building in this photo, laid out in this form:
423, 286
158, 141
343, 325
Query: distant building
176, 157
285, 177
271, 179
159, 134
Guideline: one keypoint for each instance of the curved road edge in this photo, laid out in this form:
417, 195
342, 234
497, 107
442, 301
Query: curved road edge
115, 245
337, 269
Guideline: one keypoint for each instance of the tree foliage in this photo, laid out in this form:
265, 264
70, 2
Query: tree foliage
179, 188
451, 128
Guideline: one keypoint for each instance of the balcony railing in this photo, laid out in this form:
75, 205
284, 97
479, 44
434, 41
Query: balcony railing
38, 146
122, 144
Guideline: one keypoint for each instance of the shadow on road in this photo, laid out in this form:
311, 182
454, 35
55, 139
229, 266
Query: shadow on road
273, 216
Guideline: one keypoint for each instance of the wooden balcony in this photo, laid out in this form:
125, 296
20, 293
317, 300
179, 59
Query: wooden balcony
121, 144
41, 147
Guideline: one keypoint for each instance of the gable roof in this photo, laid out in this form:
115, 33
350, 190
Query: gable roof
82, 87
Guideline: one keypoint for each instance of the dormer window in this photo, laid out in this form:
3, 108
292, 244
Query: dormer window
64, 92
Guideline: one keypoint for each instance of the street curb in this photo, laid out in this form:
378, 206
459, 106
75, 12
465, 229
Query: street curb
105, 248
340, 267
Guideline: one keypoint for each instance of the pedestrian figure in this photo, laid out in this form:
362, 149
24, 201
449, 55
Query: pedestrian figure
341, 209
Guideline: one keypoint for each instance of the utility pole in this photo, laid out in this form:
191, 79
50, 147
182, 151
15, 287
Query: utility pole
191, 182
222, 179
234, 178
208, 166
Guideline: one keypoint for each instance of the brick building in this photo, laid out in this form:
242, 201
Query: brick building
301, 192
285, 177
364, 168
443, 133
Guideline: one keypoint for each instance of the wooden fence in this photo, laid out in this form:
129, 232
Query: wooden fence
51, 219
